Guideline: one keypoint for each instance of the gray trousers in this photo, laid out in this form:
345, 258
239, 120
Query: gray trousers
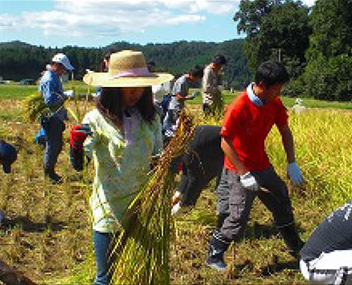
274, 195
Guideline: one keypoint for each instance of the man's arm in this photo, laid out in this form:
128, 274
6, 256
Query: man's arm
247, 180
181, 98
227, 147
287, 141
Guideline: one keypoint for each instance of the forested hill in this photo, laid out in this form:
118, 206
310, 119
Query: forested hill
19, 60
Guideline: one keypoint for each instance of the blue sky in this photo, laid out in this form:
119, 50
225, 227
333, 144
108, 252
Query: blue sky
97, 23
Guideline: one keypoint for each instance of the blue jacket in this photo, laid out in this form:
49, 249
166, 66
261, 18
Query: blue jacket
51, 88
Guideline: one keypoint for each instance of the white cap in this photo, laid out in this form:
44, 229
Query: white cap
63, 59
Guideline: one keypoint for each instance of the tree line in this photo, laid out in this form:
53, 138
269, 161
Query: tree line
315, 44
19, 60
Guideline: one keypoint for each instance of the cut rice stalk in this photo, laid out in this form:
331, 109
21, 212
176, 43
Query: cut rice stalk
34, 107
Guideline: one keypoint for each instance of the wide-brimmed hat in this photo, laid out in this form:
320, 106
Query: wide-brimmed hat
8, 156
127, 68
63, 59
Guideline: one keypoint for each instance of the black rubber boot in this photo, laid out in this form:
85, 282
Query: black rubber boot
292, 239
216, 251
52, 175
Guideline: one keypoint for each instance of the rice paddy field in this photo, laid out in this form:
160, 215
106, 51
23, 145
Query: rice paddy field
47, 233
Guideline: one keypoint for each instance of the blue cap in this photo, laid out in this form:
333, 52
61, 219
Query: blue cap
8, 155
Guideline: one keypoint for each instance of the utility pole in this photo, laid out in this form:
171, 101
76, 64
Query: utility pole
278, 52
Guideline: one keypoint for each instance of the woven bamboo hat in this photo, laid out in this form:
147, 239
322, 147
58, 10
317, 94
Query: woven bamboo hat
127, 68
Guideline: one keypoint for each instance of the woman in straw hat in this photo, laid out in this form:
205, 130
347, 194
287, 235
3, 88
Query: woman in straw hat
124, 133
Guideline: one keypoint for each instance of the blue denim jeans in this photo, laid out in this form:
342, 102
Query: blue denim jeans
102, 248
54, 130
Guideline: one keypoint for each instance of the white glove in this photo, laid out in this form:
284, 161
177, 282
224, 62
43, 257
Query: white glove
294, 173
194, 94
169, 133
248, 181
176, 198
69, 93
178, 209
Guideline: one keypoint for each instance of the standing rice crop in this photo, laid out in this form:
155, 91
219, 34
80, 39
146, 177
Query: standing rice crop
143, 247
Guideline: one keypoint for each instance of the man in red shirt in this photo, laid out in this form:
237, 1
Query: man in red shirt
247, 171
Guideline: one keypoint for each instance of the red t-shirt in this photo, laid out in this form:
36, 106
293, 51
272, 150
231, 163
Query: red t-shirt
248, 126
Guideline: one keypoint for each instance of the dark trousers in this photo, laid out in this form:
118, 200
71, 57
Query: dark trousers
274, 195
197, 172
54, 130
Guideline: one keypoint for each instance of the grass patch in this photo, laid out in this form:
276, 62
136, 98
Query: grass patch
14, 91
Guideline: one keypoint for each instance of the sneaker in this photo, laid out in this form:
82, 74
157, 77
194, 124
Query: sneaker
216, 262
178, 209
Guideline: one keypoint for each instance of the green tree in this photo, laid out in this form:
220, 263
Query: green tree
20, 60
329, 74
275, 29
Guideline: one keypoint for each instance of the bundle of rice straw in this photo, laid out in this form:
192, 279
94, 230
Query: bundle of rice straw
142, 250
34, 107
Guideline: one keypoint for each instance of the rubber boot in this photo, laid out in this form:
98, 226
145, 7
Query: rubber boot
292, 239
50, 173
216, 251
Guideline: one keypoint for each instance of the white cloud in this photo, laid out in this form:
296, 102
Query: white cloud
100, 18
106, 17
8, 21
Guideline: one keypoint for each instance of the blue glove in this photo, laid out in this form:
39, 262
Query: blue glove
295, 173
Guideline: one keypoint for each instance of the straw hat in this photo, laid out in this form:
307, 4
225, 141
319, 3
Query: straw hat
127, 68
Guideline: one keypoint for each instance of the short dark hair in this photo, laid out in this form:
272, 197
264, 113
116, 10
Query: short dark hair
108, 53
219, 59
271, 72
106, 56
151, 66
196, 71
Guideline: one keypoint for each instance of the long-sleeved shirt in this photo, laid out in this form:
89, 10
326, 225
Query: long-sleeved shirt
122, 161
51, 88
210, 90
